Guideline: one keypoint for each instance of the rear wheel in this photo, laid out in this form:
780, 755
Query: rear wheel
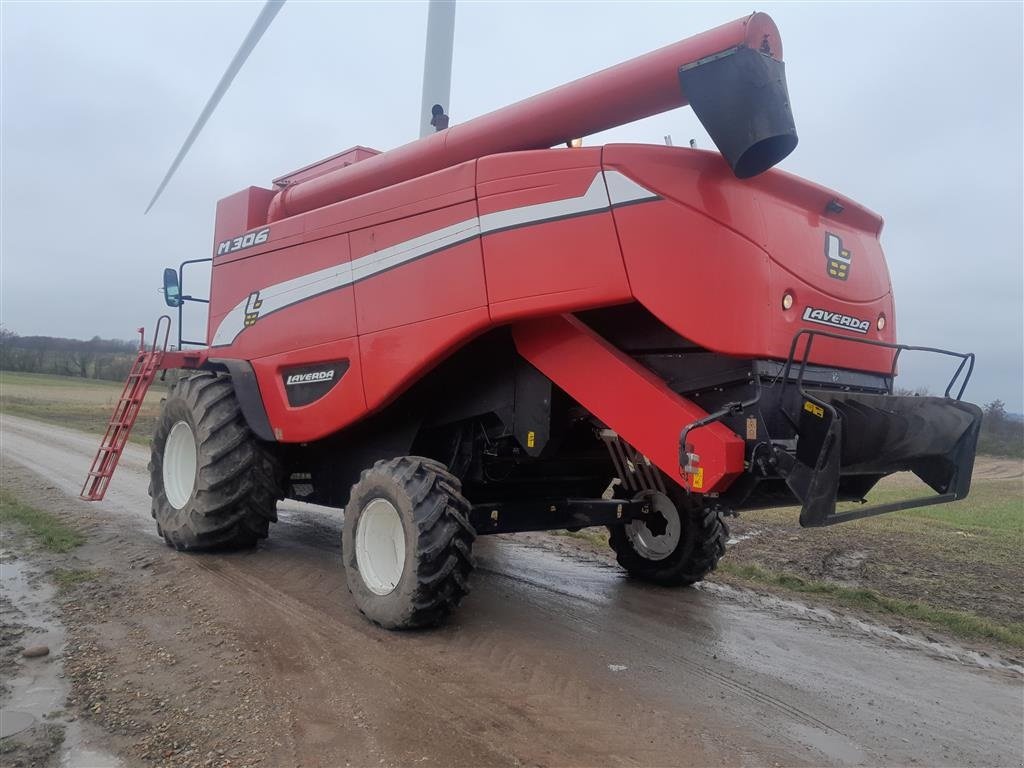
213, 483
406, 543
679, 545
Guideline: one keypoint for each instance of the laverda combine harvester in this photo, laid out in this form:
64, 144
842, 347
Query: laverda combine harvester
479, 333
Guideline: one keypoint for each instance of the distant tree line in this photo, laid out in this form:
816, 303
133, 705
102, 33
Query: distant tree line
1002, 434
96, 358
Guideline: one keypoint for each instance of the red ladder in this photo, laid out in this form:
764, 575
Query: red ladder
147, 363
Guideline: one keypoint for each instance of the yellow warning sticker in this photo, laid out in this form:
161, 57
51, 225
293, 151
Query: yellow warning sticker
531, 439
698, 479
817, 410
751, 428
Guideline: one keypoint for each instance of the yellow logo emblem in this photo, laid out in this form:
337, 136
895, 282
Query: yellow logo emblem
815, 410
837, 258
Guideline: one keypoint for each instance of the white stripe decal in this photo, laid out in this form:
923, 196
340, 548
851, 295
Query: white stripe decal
593, 200
609, 184
623, 190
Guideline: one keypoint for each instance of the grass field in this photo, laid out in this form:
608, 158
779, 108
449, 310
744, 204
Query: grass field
957, 566
84, 404
49, 532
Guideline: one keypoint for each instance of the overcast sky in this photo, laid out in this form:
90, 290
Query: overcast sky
915, 110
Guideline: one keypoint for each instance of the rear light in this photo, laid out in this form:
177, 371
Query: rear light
880, 324
787, 300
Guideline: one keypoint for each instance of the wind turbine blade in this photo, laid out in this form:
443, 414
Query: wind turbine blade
270, 10
437, 61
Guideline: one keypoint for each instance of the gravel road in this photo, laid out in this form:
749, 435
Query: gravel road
554, 659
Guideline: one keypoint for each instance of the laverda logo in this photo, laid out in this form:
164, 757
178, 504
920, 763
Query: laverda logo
248, 240
836, 320
310, 378
837, 258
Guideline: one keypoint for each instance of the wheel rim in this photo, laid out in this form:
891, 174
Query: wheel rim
647, 544
380, 546
179, 466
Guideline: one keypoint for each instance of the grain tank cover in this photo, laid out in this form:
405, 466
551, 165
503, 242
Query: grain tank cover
741, 99
319, 168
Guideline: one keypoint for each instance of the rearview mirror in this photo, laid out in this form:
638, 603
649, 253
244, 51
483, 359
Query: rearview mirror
172, 291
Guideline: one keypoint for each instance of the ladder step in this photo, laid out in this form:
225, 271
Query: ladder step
136, 385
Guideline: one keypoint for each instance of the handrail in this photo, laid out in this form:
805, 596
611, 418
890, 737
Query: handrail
184, 298
966, 358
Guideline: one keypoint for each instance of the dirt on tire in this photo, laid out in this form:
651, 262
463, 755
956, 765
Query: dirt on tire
238, 479
435, 519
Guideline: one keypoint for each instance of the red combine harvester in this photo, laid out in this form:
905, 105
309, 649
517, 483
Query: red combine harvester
478, 333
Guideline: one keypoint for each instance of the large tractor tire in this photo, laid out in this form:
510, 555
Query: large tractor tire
406, 543
214, 485
685, 545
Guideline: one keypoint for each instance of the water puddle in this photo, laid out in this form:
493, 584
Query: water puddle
835, 746
12, 721
743, 536
798, 610
37, 688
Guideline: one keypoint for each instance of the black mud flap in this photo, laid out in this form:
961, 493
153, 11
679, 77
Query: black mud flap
848, 441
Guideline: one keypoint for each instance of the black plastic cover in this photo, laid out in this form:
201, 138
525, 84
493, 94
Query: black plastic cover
846, 434
305, 384
741, 99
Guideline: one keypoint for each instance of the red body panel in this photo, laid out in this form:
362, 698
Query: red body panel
420, 289
567, 263
241, 212
397, 357
715, 257
396, 280
345, 403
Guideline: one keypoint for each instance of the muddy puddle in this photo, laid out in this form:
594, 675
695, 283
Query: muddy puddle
33, 722
817, 614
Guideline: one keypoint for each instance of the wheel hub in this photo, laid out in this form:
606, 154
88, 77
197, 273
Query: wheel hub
179, 464
380, 546
657, 536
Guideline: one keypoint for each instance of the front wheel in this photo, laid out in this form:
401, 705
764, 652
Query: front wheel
678, 545
214, 485
406, 543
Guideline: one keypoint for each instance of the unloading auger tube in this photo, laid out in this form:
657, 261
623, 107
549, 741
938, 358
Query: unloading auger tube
733, 77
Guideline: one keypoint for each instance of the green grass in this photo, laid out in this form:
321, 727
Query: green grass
76, 403
50, 532
596, 536
53, 381
993, 507
66, 578
959, 623
991, 518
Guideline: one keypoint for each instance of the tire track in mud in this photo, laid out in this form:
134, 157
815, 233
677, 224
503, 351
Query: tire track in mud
718, 678
552, 687
542, 714
551, 659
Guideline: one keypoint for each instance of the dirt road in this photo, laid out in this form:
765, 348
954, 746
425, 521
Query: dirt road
552, 660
